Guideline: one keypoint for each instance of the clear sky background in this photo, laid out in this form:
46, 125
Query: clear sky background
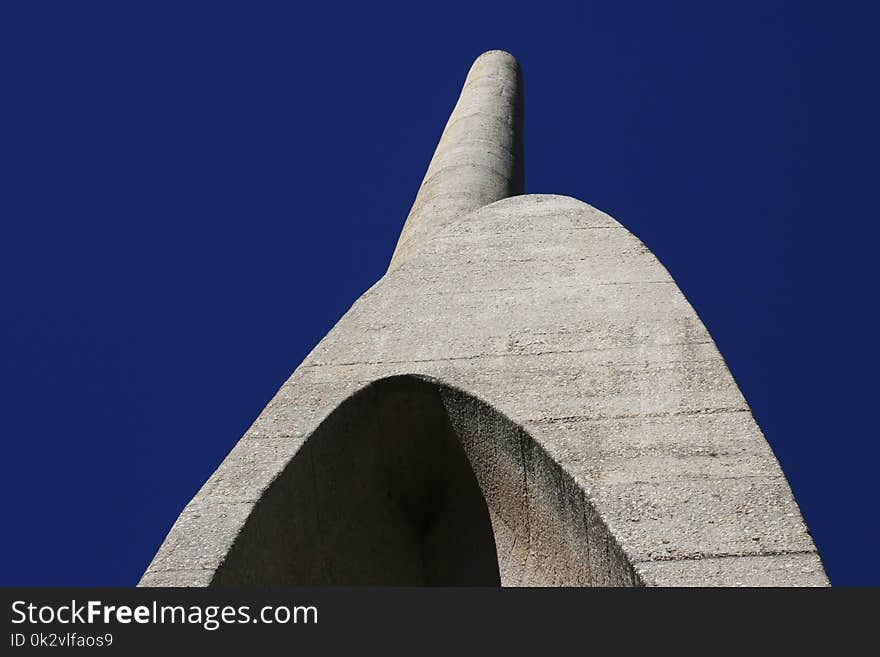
194, 193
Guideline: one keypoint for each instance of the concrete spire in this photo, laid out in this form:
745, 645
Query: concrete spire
479, 158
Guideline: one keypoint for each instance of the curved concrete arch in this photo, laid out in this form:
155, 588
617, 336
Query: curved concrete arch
384, 492
547, 326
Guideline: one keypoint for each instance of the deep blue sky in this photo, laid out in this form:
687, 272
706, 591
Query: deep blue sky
193, 193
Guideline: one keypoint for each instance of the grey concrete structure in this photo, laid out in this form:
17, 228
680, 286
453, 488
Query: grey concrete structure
525, 398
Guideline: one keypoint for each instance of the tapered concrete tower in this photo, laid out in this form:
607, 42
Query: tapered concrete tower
525, 398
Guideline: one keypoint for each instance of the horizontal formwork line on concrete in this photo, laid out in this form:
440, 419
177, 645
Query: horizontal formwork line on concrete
468, 165
469, 193
635, 416
415, 264
502, 118
510, 354
444, 149
663, 480
480, 228
723, 555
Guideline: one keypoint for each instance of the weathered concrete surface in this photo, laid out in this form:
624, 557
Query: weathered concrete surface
479, 158
608, 440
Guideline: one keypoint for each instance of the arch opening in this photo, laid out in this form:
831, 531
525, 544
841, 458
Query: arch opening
413, 482
381, 494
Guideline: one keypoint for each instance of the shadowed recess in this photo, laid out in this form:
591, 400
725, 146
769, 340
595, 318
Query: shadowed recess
384, 493
381, 493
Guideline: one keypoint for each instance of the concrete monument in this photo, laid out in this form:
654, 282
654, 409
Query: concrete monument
524, 398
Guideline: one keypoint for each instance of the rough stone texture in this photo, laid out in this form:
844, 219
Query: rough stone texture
546, 360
